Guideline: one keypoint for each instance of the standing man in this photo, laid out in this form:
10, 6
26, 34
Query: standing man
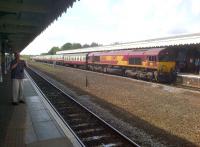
17, 76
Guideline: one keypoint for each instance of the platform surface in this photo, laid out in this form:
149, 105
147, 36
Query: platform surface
30, 124
189, 75
191, 80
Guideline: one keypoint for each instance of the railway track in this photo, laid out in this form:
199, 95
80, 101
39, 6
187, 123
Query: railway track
89, 129
176, 85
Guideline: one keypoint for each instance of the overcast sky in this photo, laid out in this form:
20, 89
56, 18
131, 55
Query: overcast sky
109, 21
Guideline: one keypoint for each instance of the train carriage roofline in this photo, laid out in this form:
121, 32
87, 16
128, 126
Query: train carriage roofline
73, 54
147, 51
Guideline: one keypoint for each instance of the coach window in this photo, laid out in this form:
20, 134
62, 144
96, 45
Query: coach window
150, 58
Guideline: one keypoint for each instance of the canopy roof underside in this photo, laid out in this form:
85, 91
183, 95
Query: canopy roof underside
23, 20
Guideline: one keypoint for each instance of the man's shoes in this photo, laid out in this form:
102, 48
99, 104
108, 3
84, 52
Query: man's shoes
14, 103
21, 101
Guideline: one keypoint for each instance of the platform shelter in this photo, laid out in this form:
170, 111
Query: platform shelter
30, 124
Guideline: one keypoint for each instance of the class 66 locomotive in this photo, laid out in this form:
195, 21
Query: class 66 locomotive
153, 64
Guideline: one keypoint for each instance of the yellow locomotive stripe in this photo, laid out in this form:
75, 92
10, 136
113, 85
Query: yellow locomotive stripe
160, 66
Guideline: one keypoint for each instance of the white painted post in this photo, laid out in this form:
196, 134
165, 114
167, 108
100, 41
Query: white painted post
54, 64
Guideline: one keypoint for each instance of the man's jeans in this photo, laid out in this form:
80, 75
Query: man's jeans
18, 93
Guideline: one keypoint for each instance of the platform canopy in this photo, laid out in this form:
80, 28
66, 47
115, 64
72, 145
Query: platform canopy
23, 20
172, 41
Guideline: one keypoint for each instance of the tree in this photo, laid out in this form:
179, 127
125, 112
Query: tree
76, 46
115, 43
44, 54
93, 44
69, 46
85, 46
66, 46
53, 50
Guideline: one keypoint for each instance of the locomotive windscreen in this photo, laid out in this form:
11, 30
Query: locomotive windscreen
166, 56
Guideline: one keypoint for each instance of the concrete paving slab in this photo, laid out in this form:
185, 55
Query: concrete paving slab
30, 135
46, 130
58, 142
39, 115
29, 91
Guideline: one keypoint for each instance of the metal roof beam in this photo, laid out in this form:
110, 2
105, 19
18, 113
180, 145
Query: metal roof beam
20, 7
8, 21
18, 30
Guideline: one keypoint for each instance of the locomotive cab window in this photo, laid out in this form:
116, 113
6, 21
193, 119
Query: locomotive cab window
152, 58
164, 57
135, 61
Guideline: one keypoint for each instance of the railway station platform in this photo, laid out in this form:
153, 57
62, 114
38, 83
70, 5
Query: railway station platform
190, 80
30, 124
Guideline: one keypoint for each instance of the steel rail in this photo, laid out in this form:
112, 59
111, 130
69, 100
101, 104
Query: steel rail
120, 139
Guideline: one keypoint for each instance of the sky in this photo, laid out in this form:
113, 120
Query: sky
109, 21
